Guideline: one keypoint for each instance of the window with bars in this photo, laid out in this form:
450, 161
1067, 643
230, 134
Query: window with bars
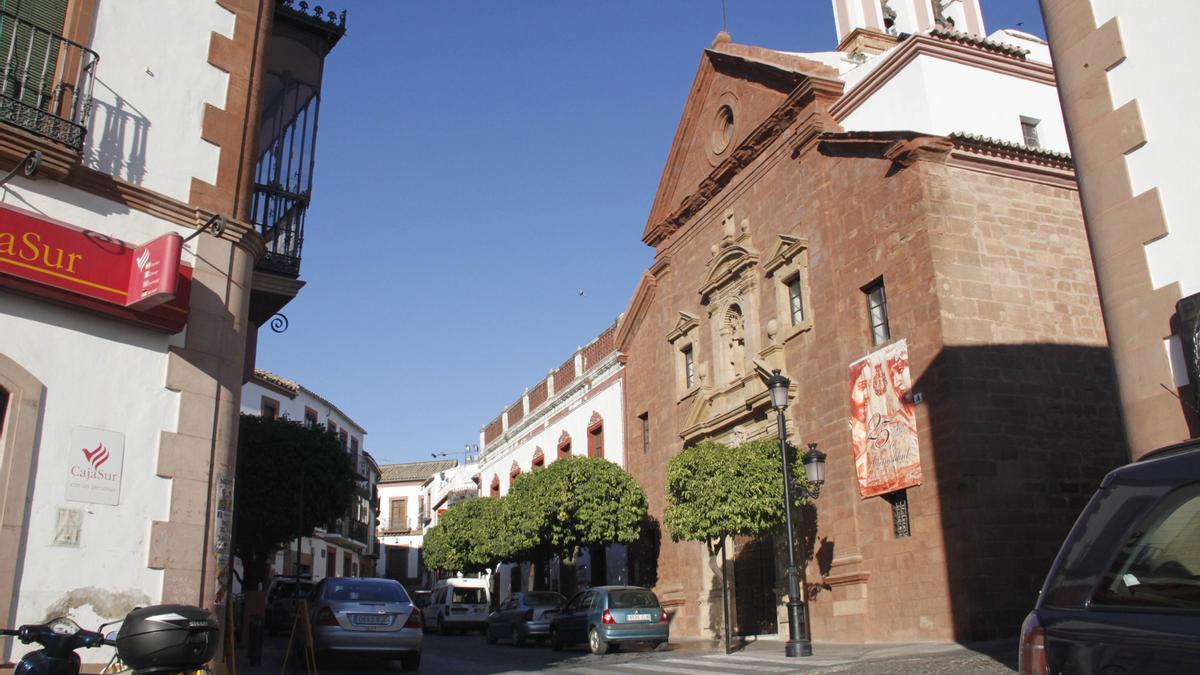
877, 311
689, 368
796, 300
900, 521
310, 418
645, 418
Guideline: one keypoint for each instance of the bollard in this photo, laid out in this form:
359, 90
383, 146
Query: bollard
254, 640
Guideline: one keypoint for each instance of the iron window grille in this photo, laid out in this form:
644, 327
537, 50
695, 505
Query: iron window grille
900, 521
689, 368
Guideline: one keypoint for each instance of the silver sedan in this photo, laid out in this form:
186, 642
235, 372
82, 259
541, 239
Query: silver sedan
368, 617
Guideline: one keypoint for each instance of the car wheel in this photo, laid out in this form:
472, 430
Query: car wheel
517, 640
410, 661
489, 636
596, 643
555, 643
660, 646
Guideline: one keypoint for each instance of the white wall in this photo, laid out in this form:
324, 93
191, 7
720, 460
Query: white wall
1159, 72
936, 96
609, 403
151, 86
293, 408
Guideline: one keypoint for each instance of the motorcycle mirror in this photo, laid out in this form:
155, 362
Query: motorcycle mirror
111, 636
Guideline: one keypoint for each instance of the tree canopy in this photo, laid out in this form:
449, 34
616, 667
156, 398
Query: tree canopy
289, 480
573, 503
714, 491
471, 536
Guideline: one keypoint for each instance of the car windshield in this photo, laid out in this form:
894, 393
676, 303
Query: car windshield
631, 598
468, 596
543, 599
365, 591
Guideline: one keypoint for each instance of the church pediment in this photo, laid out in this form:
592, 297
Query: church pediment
727, 266
786, 249
683, 324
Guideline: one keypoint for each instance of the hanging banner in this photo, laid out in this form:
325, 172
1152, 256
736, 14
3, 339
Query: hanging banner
883, 422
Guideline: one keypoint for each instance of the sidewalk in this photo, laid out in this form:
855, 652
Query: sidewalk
826, 654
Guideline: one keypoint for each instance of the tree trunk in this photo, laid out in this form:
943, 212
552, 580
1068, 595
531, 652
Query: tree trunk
725, 595
253, 572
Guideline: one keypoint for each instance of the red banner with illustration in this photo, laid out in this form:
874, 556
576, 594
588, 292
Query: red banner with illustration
883, 422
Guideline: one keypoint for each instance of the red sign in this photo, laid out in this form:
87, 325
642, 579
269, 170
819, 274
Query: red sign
154, 274
145, 284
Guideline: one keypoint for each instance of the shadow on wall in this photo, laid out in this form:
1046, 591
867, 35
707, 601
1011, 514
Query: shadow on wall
117, 133
1022, 436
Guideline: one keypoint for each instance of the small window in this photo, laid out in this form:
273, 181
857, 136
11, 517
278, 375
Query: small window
596, 436
689, 368
796, 300
878, 313
564, 445
353, 445
310, 418
539, 460
1159, 566
1029, 131
495, 486
344, 438
270, 408
331, 426
645, 418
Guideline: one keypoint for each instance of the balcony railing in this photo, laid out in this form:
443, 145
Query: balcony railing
45, 81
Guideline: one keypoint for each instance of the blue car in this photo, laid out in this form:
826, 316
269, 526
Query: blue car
608, 616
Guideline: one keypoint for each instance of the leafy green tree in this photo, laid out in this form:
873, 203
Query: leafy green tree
573, 503
715, 492
471, 536
289, 480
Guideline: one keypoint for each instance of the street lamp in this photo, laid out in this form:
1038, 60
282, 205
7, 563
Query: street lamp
799, 636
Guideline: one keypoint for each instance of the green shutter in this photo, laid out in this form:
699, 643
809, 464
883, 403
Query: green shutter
42, 55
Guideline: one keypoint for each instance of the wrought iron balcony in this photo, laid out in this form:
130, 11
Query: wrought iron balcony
47, 81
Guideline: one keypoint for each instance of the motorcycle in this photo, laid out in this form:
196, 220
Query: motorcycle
158, 639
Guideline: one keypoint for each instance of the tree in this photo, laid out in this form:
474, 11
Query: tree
471, 536
715, 492
573, 503
290, 479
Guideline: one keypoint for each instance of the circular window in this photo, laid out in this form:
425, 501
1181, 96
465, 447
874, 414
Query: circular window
722, 133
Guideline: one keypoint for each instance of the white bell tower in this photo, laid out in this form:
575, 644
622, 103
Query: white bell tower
893, 17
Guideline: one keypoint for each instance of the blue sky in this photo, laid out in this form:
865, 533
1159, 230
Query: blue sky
484, 173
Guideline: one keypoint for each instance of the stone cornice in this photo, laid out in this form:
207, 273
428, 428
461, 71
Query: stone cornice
161, 206
639, 305
969, 53
771, 129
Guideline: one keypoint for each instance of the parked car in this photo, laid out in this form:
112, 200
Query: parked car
1123, 596
524, 616
283, 596
367, 617
458, 604
607, 616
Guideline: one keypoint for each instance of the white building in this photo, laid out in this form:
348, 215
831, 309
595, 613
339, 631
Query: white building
139, 254
346, 548
446, 488
578, 409
404, 509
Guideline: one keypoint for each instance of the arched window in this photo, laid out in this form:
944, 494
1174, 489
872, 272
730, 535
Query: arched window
495, 485
514, 471
595, 436
539, 459
564, 444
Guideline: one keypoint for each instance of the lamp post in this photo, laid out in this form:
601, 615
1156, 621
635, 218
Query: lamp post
799, 636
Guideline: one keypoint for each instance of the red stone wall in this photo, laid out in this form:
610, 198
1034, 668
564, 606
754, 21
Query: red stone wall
989, 282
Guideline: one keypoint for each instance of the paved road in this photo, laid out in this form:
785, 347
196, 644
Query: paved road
470, 655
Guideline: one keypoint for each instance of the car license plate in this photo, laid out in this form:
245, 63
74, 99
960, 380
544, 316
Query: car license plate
372, 619
638, 617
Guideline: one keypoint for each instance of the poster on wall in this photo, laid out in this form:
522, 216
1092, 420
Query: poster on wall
94, 464
883, 422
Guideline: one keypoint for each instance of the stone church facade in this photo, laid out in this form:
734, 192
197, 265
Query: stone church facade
787, 239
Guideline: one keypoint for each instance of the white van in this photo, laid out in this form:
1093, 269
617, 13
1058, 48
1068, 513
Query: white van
458, 604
